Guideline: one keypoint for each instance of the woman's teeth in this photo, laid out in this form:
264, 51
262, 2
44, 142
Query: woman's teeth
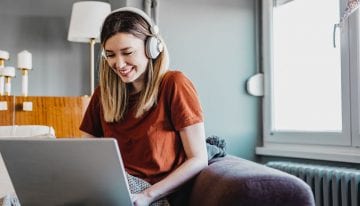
125, 71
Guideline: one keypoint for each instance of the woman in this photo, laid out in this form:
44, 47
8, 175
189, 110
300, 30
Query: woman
154, 114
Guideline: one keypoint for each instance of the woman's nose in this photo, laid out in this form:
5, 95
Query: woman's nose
120, 62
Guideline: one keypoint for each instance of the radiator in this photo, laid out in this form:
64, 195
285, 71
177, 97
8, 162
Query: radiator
331, 186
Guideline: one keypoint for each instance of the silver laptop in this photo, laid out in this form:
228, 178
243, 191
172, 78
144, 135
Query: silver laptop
66, 171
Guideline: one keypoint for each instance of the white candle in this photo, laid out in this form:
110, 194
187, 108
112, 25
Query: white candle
4, 55
24, 60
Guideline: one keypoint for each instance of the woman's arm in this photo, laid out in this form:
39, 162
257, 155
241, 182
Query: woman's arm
193, 139
87, 135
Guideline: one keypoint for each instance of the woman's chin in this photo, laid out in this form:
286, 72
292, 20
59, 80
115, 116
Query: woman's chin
127, 78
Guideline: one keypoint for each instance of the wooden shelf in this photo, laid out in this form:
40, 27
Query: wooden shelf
64, 114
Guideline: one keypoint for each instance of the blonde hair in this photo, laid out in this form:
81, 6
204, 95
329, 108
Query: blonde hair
115, 92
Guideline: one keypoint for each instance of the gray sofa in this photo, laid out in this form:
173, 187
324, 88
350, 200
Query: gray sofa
234, 181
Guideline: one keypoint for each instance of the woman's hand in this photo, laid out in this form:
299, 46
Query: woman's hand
141, 199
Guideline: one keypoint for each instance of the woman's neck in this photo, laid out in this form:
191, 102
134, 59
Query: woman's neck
136, 87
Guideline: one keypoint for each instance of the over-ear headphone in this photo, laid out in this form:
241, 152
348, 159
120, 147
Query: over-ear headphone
153, 44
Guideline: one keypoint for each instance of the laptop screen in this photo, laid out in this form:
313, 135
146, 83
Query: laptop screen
66, 171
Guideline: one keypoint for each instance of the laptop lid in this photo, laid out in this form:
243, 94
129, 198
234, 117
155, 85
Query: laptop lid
66, 171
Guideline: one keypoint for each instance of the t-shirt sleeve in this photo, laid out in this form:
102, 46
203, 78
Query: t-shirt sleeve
91, 122
185, 107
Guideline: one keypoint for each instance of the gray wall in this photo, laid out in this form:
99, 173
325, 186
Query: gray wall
41, 26
212, 42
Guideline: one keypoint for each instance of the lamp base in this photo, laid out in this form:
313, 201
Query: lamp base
92, 70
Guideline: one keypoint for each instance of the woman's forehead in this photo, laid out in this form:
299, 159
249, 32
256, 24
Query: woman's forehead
121, 41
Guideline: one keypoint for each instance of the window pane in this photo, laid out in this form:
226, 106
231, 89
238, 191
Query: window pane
307, 69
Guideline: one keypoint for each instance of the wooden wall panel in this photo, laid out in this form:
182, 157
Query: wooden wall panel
7, 116
64, 114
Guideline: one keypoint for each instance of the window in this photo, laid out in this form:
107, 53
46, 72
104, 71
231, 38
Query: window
306, 68
311, 102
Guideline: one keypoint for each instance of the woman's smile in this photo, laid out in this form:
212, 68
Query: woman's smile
125, 72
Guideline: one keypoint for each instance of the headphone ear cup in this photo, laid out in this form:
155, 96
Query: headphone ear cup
153, 47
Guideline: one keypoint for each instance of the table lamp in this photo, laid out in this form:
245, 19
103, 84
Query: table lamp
24, 62
8, 73
4, 55
85, 24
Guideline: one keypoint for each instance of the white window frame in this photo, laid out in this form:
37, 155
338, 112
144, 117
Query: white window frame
354, 76
342, 146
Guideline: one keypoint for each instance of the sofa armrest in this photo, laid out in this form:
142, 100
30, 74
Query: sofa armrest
235, 181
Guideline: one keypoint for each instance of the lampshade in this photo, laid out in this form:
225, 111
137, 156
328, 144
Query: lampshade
86, 20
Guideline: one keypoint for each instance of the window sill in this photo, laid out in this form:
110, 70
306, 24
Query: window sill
328, 153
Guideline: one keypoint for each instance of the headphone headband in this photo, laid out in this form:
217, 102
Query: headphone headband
154, 29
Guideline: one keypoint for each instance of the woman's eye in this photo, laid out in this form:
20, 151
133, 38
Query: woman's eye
127, 53
110, 55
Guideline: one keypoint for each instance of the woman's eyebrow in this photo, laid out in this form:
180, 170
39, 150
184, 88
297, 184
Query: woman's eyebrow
126, 48
123, 49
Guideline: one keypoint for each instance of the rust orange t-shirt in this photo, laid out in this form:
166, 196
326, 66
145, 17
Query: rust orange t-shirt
150, 145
